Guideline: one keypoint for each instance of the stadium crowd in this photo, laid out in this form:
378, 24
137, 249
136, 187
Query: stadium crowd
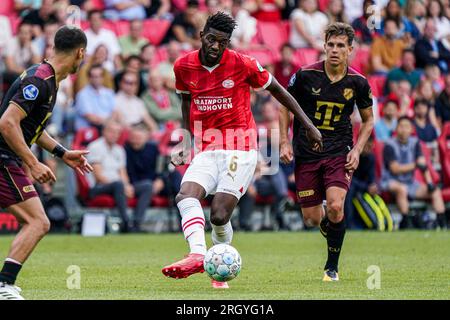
124, 93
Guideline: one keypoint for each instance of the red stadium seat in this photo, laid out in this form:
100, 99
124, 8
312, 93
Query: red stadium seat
7, 8
434, 175
15, 22
123, 137
273, 35
160, 202
305, 56
101, 201
444, 152
323, 5
376, 83
122, 28
98, 4
264, 56
109, 25
160, 55
359, 60
260, 200
378, 147
83, 137
154, 30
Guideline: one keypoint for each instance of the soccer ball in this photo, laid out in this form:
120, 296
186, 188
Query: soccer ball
222, 262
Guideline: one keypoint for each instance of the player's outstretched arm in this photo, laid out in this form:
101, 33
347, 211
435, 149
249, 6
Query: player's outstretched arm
287, 100
73, 158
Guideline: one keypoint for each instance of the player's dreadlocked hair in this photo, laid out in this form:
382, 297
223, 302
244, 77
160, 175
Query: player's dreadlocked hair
220, 21
340, 29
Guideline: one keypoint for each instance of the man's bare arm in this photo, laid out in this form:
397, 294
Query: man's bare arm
13, 135
46, 142
286, 99
185, 110
366, 128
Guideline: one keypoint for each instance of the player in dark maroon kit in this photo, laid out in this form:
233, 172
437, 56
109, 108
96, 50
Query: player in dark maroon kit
215, 83
328, 91
24, 113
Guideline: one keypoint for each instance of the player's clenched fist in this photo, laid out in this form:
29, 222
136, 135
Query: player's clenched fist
41, 173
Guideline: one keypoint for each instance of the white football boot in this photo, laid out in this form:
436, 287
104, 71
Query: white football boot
10, 292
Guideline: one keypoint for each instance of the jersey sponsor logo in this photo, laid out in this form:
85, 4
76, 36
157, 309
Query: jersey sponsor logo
306, 193
228, 84
292, 80
348, 93
316, 92
213, 103
329, 113
28, 189
30, 92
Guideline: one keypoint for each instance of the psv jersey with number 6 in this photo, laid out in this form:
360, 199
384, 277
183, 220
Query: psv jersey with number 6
329, 106
34, 93
220, 99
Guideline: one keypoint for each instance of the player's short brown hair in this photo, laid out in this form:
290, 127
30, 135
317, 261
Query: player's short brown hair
340, 29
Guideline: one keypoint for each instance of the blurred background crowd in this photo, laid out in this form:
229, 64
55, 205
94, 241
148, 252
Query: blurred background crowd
122, 104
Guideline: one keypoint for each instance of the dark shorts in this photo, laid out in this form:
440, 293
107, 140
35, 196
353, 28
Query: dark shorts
15, 186
314, 178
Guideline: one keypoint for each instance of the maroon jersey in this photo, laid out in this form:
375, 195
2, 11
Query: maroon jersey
34, 93
220, 112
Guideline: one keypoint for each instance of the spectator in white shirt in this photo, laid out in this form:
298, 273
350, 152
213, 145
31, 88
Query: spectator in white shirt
21, 53
246, 26
97, 35
5, 35
130, 109
435, 11
307, 26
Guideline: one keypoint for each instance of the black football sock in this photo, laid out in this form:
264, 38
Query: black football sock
335, 238
442, 220
323, 226
9, 272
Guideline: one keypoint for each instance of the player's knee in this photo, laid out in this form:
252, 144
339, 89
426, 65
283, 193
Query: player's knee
181, 196
335, 207
219, 216
41, 225
146, 185
184, 194
311, 220
118, 185
401, 191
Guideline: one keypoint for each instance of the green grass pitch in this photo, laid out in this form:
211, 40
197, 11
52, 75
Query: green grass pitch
283, 265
